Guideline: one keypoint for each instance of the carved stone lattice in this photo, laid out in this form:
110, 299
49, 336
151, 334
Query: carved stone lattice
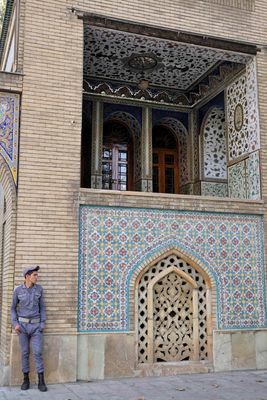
151, 273
173, 319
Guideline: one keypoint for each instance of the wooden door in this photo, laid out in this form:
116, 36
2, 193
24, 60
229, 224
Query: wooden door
165, 171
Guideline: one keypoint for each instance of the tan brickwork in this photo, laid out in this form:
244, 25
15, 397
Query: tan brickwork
8, 218
242, 4
51, 58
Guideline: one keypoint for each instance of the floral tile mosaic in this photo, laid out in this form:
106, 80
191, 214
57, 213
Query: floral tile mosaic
253, 176
115, 243
217, 189
237, 180
243, 135
9, 123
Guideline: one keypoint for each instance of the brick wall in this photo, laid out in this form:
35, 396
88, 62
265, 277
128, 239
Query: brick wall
7, 259
242, 4
51, 51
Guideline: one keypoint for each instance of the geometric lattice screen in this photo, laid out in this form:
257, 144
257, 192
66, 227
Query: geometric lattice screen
173, 335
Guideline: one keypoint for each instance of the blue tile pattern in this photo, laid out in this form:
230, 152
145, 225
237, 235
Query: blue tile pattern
116, 243
9, 125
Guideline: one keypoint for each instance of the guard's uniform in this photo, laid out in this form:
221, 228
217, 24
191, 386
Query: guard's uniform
28, 311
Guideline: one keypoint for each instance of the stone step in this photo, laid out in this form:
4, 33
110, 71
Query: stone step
174, 368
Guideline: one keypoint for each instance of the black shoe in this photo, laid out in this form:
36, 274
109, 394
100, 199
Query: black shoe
26, 382
41, 383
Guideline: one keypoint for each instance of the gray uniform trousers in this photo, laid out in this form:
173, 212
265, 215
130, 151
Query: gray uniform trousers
30, 333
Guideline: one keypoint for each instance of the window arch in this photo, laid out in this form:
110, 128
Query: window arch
117, 156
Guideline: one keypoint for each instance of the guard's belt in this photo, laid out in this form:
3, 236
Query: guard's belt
29, 320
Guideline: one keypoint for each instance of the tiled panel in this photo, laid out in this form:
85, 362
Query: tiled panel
237, 180
214, 189
253, 176
244, 178
214, 145
242, 114
117, 243
9, 125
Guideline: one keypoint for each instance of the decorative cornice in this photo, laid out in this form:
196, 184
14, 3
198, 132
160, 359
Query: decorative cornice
168, 34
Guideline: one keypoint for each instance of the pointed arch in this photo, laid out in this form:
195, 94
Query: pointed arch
181, 134
156, 270
172, 247
134, 128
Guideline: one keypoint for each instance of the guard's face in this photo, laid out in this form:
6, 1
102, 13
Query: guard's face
32, 278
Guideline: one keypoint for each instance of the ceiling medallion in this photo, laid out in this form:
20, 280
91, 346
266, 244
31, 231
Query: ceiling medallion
142, 62
238, 117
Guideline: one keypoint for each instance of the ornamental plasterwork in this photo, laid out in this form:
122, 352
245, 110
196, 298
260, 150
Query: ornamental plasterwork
242, 114
133, 91
179, 66
9, 127
214, 157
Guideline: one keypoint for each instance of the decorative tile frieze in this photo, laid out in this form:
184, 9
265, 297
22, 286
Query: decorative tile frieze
116, 244
9, 130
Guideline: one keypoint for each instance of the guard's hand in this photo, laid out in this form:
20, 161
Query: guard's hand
42, 326
17, 329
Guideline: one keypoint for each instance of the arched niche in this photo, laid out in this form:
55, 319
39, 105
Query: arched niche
173, 309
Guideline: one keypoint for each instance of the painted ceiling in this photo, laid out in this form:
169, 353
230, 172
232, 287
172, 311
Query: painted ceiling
108, 55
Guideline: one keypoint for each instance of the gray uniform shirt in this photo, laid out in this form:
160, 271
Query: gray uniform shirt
28, 303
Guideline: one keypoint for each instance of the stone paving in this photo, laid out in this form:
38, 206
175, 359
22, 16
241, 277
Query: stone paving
243, 385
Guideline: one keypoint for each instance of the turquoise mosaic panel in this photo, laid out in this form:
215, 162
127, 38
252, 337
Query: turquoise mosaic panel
116, 242
9, 123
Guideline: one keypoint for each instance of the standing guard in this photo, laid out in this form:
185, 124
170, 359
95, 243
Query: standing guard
28, 319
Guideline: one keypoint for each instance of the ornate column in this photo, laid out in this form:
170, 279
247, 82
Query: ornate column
96, 150
194, 153
146, 150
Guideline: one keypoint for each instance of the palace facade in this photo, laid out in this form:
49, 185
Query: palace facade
133, 158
